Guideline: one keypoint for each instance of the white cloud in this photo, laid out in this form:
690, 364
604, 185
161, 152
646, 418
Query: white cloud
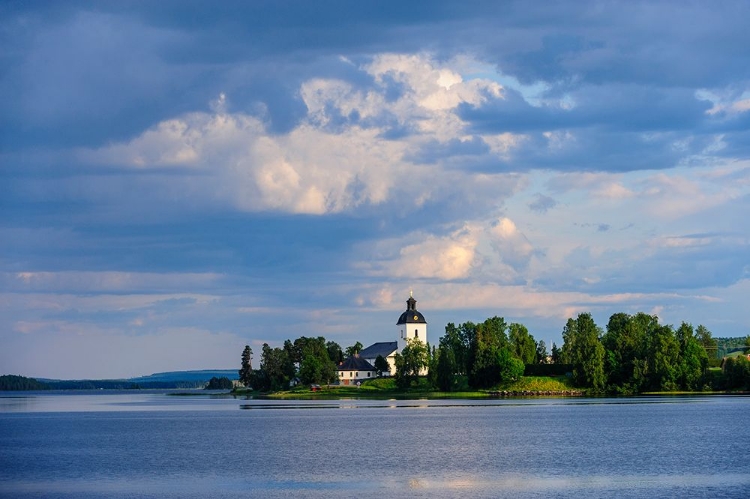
494, 251
448, 258
677, 196
431, 86
336, 159
512, 246
613, 190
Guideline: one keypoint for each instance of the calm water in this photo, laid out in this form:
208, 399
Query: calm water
155, 445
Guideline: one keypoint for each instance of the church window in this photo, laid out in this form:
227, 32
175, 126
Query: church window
416, 333
350, 374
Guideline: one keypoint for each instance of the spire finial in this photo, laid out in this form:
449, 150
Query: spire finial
411, 293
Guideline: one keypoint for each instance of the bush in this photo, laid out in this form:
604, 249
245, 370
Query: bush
222, 383
737, 373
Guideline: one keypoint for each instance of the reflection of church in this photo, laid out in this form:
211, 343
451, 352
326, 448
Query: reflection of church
411, 324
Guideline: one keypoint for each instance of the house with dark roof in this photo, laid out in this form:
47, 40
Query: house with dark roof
354, 369
410, 324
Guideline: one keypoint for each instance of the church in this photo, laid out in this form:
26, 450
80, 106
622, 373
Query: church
411, 324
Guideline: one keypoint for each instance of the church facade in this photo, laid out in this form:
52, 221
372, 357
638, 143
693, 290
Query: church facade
411, 324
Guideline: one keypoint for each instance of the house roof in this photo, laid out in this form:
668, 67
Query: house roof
355, 363
384, 348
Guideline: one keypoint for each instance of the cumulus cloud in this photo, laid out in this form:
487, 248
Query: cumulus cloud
337, 158
447, 258
511, 245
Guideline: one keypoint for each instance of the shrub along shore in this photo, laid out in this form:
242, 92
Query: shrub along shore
386, 388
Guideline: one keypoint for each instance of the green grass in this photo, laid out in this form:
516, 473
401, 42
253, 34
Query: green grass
540, 384
386, 388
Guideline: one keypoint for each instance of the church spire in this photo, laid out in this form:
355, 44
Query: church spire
411, 303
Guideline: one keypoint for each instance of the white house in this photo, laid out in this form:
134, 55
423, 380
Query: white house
354, 369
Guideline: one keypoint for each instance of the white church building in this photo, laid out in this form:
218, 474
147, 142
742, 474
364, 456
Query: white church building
411, 324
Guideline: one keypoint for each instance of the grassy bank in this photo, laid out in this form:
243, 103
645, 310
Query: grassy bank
386, 388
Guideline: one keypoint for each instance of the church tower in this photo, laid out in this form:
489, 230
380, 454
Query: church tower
411, 324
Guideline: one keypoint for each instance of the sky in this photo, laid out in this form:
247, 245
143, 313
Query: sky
180, 179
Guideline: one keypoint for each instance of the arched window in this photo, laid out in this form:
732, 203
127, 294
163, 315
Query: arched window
416, 333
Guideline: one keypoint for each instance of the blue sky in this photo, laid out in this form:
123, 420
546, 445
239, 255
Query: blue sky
179, 179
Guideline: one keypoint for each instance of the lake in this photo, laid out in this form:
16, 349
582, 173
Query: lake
151, 444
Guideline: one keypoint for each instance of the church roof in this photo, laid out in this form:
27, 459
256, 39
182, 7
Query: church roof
411, 316
384, 348
355, 363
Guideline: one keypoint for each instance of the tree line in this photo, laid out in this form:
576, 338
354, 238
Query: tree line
633, 354
309, 360
636, 354
11, 382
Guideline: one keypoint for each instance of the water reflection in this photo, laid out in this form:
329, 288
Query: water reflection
107, 401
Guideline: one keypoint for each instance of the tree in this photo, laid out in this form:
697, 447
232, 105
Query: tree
274, 362
584, 351
693, 365
261, 380
625, 351
486, 341
334, 352
315, 370
432, 361
522, 343
246, 371
693, 359
541, 352
222, 383
354, 349
511, 368
663, 351
555, 354
381, 365
456, 340
707, 341
446, 367
737, 373
410, 362
316, 365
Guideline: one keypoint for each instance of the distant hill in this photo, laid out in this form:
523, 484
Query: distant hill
173, 379
726, 346
201, 376
16, 383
